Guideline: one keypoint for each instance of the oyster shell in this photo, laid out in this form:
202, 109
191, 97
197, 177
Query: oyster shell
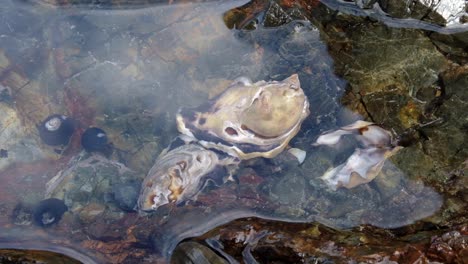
180, 173
365, 163
248, 120
360, 168
368, 133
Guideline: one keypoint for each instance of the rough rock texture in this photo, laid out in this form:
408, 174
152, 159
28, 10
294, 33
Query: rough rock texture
12, 256
412, 9
87, 187
400, 79
14, 140
192, 252
385, 69
267, 241
453, 46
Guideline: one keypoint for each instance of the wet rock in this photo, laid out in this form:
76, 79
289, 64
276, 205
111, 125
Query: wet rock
384, 79
22, 214
457, 181
16, 139
126, 195
91, 212
412, 9
438, 159
31, 82
88, 184
366, 4
192, 252
25, 256
453, 45
293, 243
105, 228
241, 17
290, 190
105, 79
263, 241
451, 151
450, 247
276, 15
5, 95
403, 51
388, 183
134, 138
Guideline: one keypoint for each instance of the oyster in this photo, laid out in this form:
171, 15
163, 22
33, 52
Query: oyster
360, 168
365, 163
367, 132
248, 120
179, 174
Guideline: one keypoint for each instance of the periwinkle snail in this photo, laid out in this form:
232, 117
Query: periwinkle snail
95, 140
56, 130
48, 212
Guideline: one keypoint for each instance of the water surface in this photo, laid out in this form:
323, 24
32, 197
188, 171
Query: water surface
129, 68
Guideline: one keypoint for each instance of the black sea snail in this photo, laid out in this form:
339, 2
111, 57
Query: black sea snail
49, 211
94, 140
56, 130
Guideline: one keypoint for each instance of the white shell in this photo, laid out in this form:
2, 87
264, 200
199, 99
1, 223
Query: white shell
365, 163
177, 175
298, 153
368, 133
360, 168
53, 124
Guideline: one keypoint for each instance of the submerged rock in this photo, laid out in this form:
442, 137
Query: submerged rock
92, 179
16, 140
32, 256
22, 214
126, 194
136, 138
413, 9
192, 252
270, 241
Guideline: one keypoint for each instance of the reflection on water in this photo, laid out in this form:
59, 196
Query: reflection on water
129, 70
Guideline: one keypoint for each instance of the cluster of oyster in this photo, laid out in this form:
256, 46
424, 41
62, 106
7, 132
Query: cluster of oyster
247, 120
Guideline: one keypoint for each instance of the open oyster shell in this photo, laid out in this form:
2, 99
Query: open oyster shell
248, 120
365, 163
360, 168
180, 173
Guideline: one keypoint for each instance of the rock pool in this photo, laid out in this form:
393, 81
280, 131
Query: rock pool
127, 67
